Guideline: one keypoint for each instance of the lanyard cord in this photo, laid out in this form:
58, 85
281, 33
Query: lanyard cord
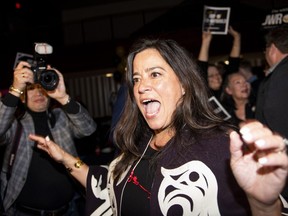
121, 197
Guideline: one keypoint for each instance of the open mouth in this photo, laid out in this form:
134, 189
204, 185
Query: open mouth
151, 107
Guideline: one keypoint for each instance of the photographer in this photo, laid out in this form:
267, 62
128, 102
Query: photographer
31, 183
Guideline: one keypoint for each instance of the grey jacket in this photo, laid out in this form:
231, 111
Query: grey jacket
67, 127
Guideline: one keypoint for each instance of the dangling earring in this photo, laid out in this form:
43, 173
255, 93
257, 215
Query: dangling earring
23, 97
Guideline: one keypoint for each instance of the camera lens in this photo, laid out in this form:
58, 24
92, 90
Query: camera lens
49, 79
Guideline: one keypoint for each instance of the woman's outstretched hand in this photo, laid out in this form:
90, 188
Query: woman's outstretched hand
259, 162
47, 145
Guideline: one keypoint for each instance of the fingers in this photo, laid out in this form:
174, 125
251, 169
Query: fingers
262, 137
235, 147
22, 75
42, 142
236, 143
22, 64
57, 71
25, 75
47, 138
207, 35
269, 147
274, 159
36, 138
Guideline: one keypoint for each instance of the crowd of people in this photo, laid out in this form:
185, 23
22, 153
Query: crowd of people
246, 94
175, 155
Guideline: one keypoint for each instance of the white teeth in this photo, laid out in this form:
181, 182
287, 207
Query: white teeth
146, 101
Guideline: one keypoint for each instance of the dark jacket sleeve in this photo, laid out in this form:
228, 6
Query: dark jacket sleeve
272, 99
97, 195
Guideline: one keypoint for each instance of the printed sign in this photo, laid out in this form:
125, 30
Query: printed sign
276, 18
216, 19
219, 109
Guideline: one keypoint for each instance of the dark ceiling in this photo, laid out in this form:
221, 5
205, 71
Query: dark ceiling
263, 4
183, 23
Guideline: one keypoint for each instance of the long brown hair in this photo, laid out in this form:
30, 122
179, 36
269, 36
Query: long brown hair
194, 111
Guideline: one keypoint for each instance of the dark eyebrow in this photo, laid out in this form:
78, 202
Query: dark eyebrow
152, 68
149, 69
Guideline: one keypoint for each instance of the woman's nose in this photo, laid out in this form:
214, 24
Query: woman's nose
144, 86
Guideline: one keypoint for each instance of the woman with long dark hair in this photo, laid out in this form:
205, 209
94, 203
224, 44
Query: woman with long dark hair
175, 157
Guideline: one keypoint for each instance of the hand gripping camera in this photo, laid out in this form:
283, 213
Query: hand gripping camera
47, 78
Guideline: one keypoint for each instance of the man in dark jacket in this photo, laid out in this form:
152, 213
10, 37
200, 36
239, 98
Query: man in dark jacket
272, 98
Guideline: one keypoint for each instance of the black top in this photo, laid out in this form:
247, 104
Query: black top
48, 186
193, 179
139, 194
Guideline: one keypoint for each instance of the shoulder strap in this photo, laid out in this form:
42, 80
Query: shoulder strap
15, 145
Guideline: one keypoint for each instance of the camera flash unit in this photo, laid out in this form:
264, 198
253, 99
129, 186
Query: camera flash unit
43, 48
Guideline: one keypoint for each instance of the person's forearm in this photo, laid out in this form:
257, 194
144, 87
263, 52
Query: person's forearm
258, 208
236, 47
77, 168
204, 52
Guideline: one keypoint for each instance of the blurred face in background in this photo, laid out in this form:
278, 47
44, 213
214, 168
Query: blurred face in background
238, 87
37, 98
214, 78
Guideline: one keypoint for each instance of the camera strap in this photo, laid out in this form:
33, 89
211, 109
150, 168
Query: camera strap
12, 156
15, 145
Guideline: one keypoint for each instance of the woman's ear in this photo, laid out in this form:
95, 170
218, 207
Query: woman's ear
183, 91
228, 91
273, 51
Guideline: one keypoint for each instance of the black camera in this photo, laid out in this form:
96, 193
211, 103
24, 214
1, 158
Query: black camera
47, 78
